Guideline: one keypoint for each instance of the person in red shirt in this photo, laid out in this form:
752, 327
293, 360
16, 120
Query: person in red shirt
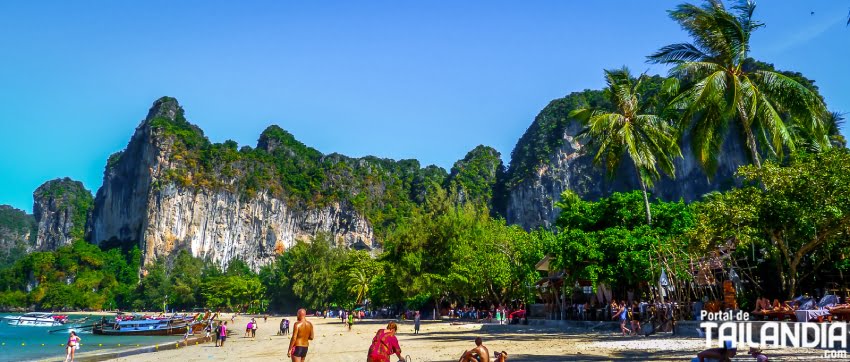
384, 345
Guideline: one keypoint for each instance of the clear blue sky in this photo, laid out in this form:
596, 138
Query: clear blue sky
398, 79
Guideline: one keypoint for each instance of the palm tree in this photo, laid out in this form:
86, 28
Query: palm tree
721, 91
646, 139
358, 284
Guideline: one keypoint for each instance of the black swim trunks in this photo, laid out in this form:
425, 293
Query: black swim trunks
299, 352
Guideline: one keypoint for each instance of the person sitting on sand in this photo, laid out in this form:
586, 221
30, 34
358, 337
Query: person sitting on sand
721, 354
384, 345
501, 356
757, 353
478, 354
757, 307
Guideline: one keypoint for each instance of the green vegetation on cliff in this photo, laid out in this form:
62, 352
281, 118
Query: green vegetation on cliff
546, 133
17, 233
66, 194
383, 190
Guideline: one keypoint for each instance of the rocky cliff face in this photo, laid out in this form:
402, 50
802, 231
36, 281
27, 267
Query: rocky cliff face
479, 178
61, 208
152, 196
568, 166
17, 233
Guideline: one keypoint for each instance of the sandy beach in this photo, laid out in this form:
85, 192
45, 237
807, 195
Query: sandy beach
441, 341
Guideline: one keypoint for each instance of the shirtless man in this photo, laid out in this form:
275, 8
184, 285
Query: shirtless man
302, 334
478, 354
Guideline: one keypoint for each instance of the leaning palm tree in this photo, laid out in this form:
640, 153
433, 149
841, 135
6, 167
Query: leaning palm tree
719, 91
358, 285
648, 140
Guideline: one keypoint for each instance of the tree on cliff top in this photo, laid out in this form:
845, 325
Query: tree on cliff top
721, 92
646, 139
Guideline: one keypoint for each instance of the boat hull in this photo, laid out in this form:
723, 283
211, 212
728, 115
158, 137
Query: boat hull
169, 331
32, 322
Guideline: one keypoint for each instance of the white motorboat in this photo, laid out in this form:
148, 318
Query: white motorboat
35, 319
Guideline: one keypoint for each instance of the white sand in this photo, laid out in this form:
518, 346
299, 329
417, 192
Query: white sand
445, 342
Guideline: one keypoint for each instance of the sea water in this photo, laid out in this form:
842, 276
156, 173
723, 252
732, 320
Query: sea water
25, 343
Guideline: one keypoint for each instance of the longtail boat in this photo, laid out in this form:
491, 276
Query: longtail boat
143, 327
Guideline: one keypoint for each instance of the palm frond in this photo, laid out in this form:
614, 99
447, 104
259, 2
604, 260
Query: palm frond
787, 95
694, 70
677, 53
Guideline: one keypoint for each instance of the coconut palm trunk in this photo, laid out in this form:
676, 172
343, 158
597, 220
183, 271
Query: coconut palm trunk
645, 200
751, 144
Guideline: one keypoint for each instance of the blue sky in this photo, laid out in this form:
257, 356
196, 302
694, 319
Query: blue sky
425, 80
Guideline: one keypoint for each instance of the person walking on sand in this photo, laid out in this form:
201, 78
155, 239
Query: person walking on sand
253, 328
417, 321
350, 321
635, 317
302, 334
623, 314
478, 354
218, 334
248, 328
384, 345
71, 346
223, 334
208, 331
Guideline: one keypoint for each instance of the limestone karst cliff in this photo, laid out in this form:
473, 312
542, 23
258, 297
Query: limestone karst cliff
61, 209
172, 189
17, 233
550, 158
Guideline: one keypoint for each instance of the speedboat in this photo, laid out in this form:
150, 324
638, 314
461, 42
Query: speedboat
35, 319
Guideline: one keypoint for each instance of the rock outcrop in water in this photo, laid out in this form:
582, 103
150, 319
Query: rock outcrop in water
61, 208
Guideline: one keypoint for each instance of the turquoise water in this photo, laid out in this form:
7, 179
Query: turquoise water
35, 343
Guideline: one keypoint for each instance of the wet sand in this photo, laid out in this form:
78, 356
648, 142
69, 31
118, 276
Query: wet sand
440, 341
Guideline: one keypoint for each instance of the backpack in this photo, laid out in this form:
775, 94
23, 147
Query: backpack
379, 346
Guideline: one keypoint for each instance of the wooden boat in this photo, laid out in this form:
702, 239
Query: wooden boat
143, 327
